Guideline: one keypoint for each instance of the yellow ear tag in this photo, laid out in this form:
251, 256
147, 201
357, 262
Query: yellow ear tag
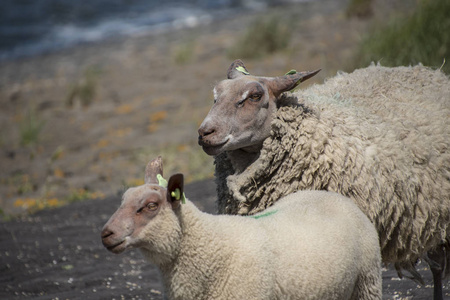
177, 195
242, 70
161, 181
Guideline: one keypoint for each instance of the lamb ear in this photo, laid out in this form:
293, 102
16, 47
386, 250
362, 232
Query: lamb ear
175, 188
153, 168
237, 69
289, 81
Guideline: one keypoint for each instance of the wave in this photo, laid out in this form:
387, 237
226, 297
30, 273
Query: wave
67, 35
30, 28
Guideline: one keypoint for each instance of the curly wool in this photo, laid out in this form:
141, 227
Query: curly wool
378, 135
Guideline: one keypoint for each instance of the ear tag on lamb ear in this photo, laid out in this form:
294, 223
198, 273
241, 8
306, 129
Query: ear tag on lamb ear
161, 181
242, 70
177, 195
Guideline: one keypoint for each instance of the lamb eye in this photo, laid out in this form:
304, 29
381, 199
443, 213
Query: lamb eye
152, 206
256, 97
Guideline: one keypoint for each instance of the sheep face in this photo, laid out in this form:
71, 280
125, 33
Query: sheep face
145, 218
243, 107
240, 116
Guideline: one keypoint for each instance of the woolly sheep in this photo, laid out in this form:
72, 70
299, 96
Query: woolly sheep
311, 244
380, 136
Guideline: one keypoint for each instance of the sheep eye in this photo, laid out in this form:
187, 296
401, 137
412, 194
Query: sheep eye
152, 206
256, 97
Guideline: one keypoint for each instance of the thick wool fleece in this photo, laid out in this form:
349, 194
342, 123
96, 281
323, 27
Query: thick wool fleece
312, 244
378, 135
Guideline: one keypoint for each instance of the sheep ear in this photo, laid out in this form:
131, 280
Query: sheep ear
289, 81
153, 168
175, 188
237, 69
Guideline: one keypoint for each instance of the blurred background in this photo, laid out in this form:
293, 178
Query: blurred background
90, 91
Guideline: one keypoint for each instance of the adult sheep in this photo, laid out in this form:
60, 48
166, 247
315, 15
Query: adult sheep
310, 245
378, 135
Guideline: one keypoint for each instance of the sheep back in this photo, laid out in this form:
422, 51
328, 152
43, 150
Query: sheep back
380, 136
311, 244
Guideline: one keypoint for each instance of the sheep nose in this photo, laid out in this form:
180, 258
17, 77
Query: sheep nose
106, 233
204, 131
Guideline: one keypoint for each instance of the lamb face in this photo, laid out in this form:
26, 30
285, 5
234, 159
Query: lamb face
146, 218
243, 107
139, 207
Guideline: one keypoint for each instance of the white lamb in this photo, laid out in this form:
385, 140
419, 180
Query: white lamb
311, 244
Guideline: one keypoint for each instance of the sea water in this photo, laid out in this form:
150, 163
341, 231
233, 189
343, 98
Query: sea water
30, 27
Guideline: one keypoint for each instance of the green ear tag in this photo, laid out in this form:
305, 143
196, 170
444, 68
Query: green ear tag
242, 70
161, 181
292, 72
177, 195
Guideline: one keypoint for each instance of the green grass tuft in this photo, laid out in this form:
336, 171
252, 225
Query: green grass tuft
184, 53
30, 128
85, 90
423, 37
263, 36
359, 8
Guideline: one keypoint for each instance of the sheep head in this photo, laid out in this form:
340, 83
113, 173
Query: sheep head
243, 108
145, 218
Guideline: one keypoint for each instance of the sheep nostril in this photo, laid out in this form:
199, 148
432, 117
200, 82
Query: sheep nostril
106, 233
204, 132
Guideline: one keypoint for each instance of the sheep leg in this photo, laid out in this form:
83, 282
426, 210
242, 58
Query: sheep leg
437, 281
436, 260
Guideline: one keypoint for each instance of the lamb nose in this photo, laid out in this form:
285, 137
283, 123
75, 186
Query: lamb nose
106, 232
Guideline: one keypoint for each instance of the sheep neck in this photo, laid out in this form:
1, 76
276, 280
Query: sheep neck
201, 248
242, 158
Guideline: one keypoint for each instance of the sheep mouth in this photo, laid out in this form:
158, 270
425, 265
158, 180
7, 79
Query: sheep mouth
213, 149
117, 248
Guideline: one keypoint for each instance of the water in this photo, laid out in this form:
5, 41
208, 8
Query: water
30, 27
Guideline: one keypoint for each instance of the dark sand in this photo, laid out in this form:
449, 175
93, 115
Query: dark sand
57, 254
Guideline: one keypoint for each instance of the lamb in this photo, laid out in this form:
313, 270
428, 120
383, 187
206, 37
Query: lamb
380, 136
311, 244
